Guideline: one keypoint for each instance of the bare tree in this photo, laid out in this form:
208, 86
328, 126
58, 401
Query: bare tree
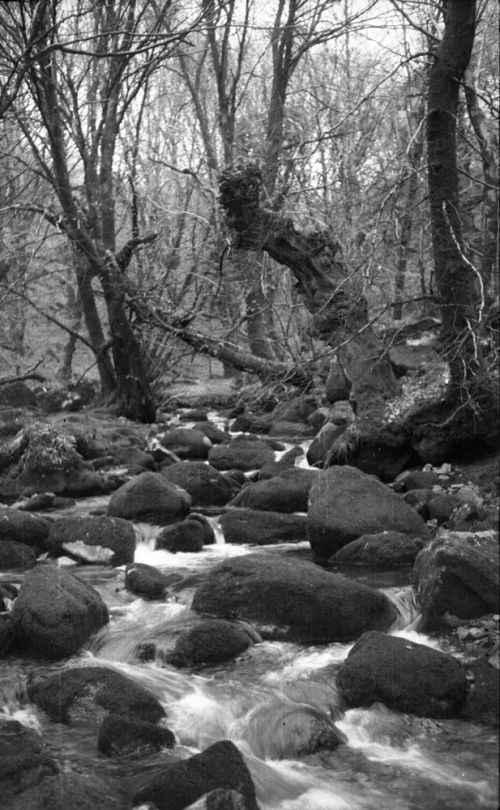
85, 72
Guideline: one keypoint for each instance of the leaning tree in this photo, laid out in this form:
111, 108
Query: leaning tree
386, 429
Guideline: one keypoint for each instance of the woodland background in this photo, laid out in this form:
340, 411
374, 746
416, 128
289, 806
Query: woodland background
134, 108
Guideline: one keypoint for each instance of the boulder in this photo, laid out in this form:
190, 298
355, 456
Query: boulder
55, 612
186, 443
179, 785
281, 427
383, 550
251, 423
91, 692
318, 418
24, 528
72, 789
287, 492
209, 642
146, 581
286, 462
441, 507
38, 502
16, 555
212, 432
345, 503
419, 500
133, 458
151, 499
187, 535
51, 463
284, 730
259, 527
24, 761
457, 573
206, 485
243, 453
416, 479
406, 676
121, 736
291, 601
321, 443
112, 533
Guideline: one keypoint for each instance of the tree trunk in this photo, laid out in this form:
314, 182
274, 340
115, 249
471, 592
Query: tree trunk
458, 286
134, 397
93, 323
250, 268
332, 294
415, 152
64, 371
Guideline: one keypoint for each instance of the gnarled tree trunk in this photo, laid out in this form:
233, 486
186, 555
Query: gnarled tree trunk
332, 294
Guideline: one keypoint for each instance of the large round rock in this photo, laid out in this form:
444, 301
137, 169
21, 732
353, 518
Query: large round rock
177, 786
187, 535
146, 581
282, 729
287, 492
91, 692
292, 601
457, 574
55, 612
115, 534
405, 676
24, 528
261, 528
243, 453
121, 736
206, 485
209, 641
16, 555
150, 498
345, 503
24, 760
186, 443
383, 550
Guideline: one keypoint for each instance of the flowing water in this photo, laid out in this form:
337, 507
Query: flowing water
389, 760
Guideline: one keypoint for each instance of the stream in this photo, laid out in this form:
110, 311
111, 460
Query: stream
390, 760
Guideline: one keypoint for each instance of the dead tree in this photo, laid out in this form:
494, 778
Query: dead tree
332, 294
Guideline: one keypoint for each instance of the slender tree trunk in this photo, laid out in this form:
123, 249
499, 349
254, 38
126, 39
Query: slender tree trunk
134, 397
93, 323
489, 160
466, 420
75, 311
250, 269
459, 287
413, 163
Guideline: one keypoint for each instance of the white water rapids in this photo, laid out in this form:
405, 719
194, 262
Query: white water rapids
389, 760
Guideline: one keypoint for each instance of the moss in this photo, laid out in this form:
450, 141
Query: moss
49, 451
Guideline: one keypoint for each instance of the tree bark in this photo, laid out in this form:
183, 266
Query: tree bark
458, 286
414, 157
